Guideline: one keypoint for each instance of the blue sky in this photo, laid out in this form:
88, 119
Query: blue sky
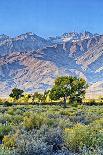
50, 17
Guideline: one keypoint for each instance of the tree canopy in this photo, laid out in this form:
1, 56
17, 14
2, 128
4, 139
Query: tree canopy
41, 97
71, 87
16, 93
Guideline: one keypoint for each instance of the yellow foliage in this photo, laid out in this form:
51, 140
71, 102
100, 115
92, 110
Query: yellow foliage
34, 121
9, 141
78, 136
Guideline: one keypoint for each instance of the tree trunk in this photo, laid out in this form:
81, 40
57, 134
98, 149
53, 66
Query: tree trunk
65, 105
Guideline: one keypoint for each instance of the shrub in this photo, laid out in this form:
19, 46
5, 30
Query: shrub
65, 123
34, 121
97, 125
10, 111
50, 122
78, 137
5, 151
9, 141
6, 103
44, 141
41, 129
91, 102
4, 130
17, 119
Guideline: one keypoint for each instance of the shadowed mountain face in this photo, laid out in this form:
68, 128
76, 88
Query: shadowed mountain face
32, 63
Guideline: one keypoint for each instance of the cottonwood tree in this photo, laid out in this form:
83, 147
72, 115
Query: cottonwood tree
71, 87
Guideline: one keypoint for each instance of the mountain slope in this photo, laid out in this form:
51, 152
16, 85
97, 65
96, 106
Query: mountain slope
32, 63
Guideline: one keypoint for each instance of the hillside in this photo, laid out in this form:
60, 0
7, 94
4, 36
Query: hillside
32, 63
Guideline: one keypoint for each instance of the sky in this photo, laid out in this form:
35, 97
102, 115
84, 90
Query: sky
50, 17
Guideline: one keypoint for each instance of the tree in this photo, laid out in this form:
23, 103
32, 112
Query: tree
1, 100
45, 94
16, 93
40, 97
37, 96
78, 90
71, 87
25, 98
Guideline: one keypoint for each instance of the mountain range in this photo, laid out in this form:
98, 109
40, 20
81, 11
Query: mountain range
32, 63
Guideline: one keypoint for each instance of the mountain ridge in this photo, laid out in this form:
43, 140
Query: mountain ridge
32, 62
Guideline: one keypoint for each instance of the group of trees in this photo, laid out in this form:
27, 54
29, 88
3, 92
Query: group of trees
40, 97
64, 87
17, 94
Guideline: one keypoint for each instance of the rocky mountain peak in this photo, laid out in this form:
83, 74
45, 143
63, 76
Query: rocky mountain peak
28, 35
72, 36
4, 37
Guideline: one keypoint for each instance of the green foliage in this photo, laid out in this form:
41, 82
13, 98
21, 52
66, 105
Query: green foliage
71, 87
45, 95
40, 97
9, 141
34, 121
80, 126
16, 93
26, 98
37, 96
79, 136
91, 102
4, 151
4, 130
10, 111
6, 103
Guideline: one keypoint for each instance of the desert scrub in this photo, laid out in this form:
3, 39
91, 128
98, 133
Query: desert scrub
45, 141
68, 112
34, 121
4, 130
4, 151
97, 125
8, 118
11, 111
17, 119
9, 141
64, 123
7, 104
81, 125
78, 137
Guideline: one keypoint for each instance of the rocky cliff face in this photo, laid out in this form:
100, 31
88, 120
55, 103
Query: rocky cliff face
32, 63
